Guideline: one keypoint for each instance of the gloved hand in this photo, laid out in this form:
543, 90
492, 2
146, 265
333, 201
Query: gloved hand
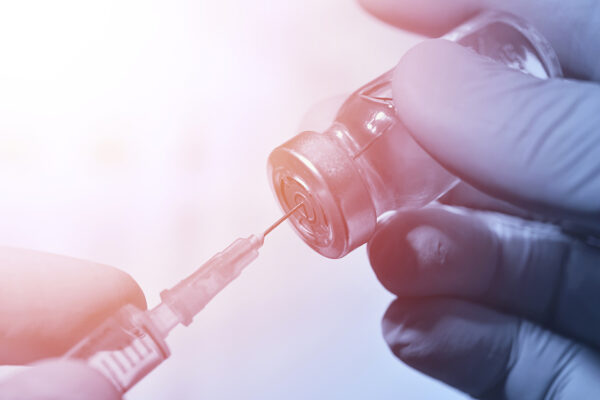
499, 306
47, 304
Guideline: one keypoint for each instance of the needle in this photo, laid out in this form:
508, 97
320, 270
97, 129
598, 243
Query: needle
280, 220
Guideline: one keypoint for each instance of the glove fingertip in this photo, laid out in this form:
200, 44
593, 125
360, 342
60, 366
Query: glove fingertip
432, 252
465, 345
428, 18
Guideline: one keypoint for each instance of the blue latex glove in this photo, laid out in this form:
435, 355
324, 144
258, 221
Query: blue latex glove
498, 306
47, 304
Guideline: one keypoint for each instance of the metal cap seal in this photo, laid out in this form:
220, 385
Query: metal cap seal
338, 214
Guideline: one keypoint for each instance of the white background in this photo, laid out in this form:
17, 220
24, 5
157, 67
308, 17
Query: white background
135, 133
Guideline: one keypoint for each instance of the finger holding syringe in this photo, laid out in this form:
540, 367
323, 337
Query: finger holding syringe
131, 343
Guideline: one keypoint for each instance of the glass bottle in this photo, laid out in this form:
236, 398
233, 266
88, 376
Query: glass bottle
367, 163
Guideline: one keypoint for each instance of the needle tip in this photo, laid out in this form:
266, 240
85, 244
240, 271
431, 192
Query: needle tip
280, 220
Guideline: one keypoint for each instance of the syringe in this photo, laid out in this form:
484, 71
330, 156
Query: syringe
130, 344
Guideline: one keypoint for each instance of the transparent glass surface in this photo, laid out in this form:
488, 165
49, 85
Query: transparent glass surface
367, 163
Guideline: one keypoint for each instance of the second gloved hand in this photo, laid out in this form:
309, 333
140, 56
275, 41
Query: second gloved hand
495, 305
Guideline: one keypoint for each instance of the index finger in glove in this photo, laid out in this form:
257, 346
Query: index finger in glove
571, 26
531, 142
523, 268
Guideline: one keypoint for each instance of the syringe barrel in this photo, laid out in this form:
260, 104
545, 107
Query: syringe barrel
191, 295
130, 344
125, 348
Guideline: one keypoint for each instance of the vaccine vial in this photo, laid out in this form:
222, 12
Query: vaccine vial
367, 163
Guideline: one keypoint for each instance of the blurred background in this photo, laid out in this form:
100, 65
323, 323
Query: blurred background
136, 133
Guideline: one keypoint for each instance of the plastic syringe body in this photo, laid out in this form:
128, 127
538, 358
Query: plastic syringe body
130, 344
191, 295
